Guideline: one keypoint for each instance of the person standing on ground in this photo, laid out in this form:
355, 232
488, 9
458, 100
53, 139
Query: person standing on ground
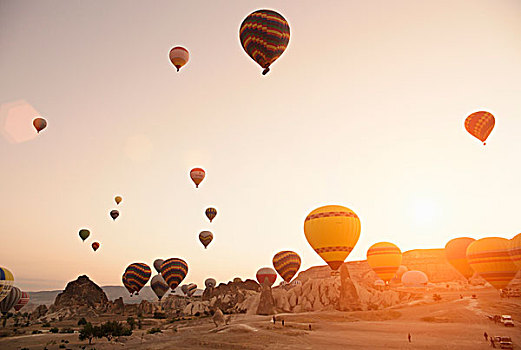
486, 336
274, 319
282, 322
409, 337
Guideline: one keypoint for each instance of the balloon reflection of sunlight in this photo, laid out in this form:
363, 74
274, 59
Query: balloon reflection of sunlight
16, 121
138, 148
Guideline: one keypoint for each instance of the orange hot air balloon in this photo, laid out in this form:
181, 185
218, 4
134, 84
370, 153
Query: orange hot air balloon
95, 246
287, 264
515, 250
197, 176
385, 259
490, 258
456, 254
118, 199
480, 125
332, 231
179, 56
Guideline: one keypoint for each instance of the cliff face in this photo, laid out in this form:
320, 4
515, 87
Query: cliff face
433, 263
81, 293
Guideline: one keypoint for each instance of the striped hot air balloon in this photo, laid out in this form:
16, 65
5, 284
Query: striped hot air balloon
197, 176
159, 286
210, 283
6, 282
190, 290
136, 276
179, 56
515, 250
206, 238
211, 213
332, 231
264, 36
24, 299
286, 263
415, 278
267, 274
127, 285
10, 300
456, 254
174, 271
480, 125
385, 259
490, 258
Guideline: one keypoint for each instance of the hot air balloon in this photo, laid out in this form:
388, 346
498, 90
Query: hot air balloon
24, 299
379, 283
157, 264
264, 36
456, 254
84, 234
6, 282
385, 259
205, 237
114, 214
95, 246
268, 274
10, 300
211, 213
159, 286
118, 199
179, 56
415, 278
39, 124
490, 258
332, 231
210, 283
287, 264
127, 285
515, 250
174, 271
197, 176
136, 276
480, 125
190, 290
184, 289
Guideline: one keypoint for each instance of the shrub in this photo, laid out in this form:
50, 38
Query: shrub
36, 331
82, 321
154, 330
159, 315
54, 330
62, 346
67, 330
46, 324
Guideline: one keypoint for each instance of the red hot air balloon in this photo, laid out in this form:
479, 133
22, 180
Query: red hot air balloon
480, 125
179, 56
95, 246
197, 175
22, 302
266, 274
39, 124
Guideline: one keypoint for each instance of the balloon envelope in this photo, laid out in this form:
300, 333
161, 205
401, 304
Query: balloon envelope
179, 56
385, 259
118, 199
114, 214
456, 254
10, 300
6, 282
174, 271
210, 283
332, 231
515, 250
191, 288
159, 286
206, 238
415, 278
286, 263
197, 176
264, 35
480, 125
266, 274
39, 124
95, 246
184, 289
211, 213
136, 276
490, 258
157, 264
24, 299
84, 234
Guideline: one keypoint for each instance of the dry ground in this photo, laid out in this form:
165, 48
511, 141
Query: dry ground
452, 323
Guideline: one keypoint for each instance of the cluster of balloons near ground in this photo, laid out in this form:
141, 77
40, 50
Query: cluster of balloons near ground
10, 296
85, 233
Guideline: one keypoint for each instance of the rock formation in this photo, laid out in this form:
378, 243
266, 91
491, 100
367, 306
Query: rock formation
266, 302
82, 293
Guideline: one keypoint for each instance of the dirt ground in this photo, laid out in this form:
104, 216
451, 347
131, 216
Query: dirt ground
451, 323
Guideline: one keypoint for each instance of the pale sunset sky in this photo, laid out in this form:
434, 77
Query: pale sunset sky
364, 109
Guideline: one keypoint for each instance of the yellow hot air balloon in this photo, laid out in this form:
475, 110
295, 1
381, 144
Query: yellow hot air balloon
118, 199
515, 250
385, 259
490, 258
332, 231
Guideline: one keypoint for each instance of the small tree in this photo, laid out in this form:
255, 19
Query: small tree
89, 332
82, 321
131, 322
